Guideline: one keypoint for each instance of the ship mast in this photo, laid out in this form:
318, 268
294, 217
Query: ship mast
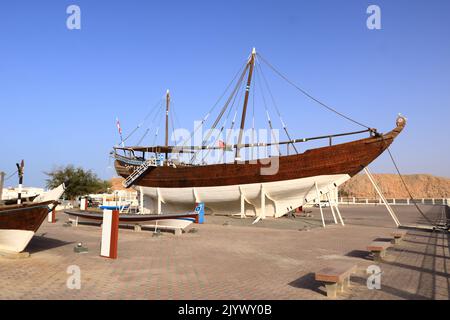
251, 64
167, 121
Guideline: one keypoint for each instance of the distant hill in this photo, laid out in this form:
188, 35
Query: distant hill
420, 185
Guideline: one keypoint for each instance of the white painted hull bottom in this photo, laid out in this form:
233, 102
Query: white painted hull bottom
162, 224
271, 199
14, 240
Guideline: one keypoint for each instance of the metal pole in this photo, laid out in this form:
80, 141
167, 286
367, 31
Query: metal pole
339, 215
167, 121
320, 206
388, 207
332, 210
20, 172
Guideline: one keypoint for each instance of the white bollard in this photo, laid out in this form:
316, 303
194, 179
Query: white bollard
110, 234
51, 218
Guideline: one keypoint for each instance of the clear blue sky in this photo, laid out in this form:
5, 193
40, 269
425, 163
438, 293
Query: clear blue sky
60, 89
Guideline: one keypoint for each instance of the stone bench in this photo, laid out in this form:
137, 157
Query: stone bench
336, 277
398, 236
378, 249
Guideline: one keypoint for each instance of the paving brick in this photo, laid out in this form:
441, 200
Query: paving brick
270, 260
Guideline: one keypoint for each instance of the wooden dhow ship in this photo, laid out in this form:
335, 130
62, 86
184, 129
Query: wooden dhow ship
19, 223
266, 186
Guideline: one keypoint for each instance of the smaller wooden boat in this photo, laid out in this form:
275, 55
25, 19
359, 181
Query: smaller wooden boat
159, 221
130, 218
18, 223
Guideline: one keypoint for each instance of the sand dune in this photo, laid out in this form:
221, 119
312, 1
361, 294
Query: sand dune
420, 185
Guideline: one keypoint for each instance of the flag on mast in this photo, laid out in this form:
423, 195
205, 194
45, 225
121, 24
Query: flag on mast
119, 128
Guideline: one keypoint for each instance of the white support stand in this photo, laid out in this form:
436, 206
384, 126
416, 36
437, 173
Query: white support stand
262, 214
263, 203
256, 220
382, 198
242, 214
242, 205
197, 198
339, 214
332, 209
159, 201
320, 206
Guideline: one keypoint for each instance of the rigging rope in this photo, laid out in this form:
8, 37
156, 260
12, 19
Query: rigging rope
156, 136
154, 108
267, 111
215, 105
227, 138
406, 187
232, 97
309, 95
159, 110
240, 91
143, 136
275, 105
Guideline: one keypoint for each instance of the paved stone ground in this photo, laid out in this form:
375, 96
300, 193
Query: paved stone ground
271, 260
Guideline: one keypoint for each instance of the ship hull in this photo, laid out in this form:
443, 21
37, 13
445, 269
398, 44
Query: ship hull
18, 224
246, 188
14, 240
